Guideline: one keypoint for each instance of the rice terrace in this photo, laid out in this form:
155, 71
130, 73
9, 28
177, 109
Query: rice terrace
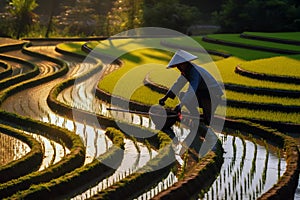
80, 114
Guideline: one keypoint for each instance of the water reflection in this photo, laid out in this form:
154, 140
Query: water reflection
248, 171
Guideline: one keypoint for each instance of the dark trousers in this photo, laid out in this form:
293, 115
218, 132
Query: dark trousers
208, 103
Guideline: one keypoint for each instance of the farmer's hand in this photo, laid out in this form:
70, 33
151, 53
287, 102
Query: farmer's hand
162, 101
177, 109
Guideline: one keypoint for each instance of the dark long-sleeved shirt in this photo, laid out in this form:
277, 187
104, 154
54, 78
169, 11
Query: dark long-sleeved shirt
199, 79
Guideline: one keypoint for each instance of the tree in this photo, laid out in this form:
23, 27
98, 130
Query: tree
233, 17
125, 15
22, 13
54, 5
205, 7
258, 15
169, 14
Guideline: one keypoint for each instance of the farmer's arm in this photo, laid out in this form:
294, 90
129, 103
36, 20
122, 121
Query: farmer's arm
177, 86
174, 90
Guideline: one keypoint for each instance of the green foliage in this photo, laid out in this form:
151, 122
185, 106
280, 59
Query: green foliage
124, 15
24, 18
256, 15
86, 18
169, 14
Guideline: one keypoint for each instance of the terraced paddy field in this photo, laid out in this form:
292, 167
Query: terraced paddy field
60, 140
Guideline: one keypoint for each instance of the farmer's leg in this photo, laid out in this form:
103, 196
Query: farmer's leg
206, 105
197, 132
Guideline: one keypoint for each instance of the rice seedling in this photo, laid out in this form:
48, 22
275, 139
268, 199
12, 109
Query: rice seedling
245, 54
280, 66
263, 115
227, 67
266, 99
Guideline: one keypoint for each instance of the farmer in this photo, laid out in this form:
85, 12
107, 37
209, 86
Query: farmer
203, 91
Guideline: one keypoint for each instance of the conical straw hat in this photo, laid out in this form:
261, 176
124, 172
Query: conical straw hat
181, 56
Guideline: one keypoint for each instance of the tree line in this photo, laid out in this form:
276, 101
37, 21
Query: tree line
107, 17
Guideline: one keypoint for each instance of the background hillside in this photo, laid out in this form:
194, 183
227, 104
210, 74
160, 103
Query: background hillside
108, 17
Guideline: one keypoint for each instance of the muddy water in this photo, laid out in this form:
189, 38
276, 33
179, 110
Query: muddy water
11, 149
53, 151
248, 171
134, 158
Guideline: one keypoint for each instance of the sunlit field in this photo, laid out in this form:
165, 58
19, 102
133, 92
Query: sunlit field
80, 146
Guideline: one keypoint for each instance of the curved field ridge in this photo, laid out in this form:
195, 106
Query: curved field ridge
278, 66
268, 77
263, 90
274, 91
70, 162
287, 184
135, 180
245, 87
25, 165
193, 49
7, 44
206, 169
70, 172
243, 104
80, 178
138, 177
279, 38
7, 70
276, 69
248, 45
36, 81
4, 83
